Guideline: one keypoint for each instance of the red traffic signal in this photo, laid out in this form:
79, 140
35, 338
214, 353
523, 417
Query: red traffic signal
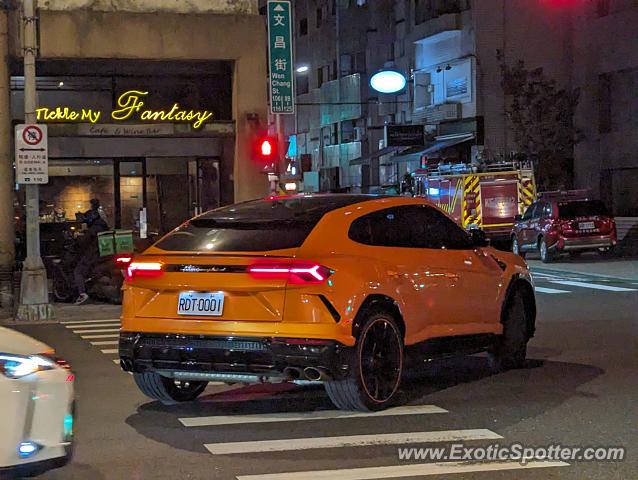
265, 149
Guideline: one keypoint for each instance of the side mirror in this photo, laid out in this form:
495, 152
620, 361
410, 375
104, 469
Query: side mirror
479, 239
518, 218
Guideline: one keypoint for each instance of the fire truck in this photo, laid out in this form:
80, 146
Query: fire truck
486, 196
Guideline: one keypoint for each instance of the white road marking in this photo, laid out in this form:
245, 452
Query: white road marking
550, 290
103, 330
101, 335
295, 417
106, 342
290, 444
104, 320
110, 350
97, 325
116, 361
544, 275
402, 471
594, 286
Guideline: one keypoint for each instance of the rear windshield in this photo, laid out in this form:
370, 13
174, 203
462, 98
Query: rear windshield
259, 225
583, 208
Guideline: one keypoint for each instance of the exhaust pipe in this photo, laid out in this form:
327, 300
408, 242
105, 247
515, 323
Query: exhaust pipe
293, 373
316, 374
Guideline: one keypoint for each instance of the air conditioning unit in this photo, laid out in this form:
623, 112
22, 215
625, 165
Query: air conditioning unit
443, 112
359, 134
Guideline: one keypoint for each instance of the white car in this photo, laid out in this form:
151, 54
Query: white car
36, 395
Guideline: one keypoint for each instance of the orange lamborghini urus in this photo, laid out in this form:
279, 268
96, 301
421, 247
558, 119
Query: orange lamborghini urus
338, 289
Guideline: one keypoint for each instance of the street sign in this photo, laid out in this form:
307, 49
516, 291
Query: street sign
280, 58
31, 154
404, 135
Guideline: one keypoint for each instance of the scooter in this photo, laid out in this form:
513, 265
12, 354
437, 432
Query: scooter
104, 282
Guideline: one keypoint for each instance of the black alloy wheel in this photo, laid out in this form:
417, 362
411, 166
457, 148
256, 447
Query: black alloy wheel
376, 369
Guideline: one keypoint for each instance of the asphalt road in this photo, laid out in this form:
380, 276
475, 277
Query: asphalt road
579, 390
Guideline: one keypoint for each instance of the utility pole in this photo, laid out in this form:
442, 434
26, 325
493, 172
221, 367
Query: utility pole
34, 291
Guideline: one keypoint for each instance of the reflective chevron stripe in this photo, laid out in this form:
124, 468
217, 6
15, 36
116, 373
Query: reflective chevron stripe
471, 212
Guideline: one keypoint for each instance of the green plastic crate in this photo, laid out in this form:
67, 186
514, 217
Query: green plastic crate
105, 243
124, 241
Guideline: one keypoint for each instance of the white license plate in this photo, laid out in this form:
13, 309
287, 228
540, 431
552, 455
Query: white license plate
200, 303
586, 226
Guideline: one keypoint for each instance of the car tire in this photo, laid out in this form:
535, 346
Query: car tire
510, 348
167, 390
543, 249
376, 367
516, 248
607, 252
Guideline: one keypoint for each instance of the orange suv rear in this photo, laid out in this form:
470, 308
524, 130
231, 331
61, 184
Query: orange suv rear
338, 289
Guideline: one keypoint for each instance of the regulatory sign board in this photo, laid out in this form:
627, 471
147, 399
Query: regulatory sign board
280, 58
32, 154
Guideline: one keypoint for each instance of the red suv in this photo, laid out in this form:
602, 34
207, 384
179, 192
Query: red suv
553, 226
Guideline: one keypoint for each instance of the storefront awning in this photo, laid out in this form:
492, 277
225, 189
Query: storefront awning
364, 160
440, 144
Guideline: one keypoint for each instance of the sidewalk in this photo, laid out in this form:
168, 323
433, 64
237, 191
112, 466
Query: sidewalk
592, 264
68, 312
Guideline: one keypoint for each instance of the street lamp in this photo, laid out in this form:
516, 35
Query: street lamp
302, 68
388, 81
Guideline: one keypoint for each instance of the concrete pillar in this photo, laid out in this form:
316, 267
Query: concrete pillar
7, 236
249, 97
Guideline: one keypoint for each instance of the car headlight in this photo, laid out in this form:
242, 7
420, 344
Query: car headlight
18, 366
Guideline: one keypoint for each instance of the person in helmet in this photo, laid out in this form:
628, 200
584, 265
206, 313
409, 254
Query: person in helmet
88, 248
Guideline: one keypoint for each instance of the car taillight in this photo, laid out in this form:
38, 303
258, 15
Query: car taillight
295, 273
144, 269
565, 225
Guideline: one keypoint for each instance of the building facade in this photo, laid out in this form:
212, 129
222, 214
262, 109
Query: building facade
452, 51
151, 107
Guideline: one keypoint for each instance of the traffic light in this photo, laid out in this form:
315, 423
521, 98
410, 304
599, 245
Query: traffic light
265, 150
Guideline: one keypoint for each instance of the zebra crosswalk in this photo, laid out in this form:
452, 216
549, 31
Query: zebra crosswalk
557, 283
98, 333
212, 427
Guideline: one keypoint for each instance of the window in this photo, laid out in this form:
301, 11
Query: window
548, 211
529, 212
303, 27
423, 90
302, 84
320, 77
319, 17
584, 208
423, 11
258, 225
604, 103
414, 226
602, 8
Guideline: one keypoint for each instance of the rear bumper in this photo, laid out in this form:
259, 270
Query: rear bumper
564, 244
265, 357
498, 234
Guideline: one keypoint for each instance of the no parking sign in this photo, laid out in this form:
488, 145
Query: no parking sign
31, 154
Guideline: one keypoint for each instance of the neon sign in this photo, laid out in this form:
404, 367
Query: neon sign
130, 106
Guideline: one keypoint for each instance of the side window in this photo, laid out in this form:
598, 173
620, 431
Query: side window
547, 212
529, 212
413, 226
